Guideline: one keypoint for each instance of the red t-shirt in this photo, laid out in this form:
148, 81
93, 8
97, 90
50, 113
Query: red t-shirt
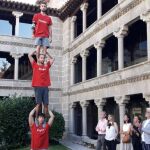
42, 23
41, 75
39, 137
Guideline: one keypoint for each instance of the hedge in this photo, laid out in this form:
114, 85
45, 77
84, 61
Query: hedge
14, 128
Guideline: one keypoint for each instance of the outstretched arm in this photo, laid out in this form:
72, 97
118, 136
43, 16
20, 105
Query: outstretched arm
51, 59
31, 119
51, 119
30, 56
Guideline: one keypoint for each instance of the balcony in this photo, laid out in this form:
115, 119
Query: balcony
108, 23
127, 75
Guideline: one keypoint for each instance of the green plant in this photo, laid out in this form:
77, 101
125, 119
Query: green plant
14, 126
58, 127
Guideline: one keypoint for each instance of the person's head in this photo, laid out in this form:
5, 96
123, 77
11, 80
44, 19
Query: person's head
102, 115
41, 118
147, 115
126, 118
110, 118
43, 6
136, 119
41, 58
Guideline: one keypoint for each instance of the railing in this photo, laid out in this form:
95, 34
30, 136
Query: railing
119, 76
15, 83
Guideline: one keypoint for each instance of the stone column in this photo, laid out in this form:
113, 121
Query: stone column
72, 106
73, 61
84, 105
120, 34
16, 56
84, 54
122, 101
100, 104
146, 17
147, 4
73, 20
146, 96
99, 46
120, 1
99, 9
17, 15
83, 8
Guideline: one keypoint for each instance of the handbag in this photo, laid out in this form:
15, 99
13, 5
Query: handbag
117, 140
126, 138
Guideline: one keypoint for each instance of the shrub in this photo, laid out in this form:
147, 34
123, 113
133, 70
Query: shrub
14, 126
14, 121
58, 127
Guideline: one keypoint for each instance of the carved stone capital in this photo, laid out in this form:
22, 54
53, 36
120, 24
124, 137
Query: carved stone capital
84, 104
100, 102
73, 18
84, 6
145, 16
84, 53
146, 96
99, 44
121, 32
16, 55
72, 105
17, 14
122, 100
73, 60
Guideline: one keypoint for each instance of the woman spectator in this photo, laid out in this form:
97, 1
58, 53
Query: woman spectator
126, 143
136, 134
111, 133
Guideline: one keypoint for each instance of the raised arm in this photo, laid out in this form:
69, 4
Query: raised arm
51, 119
31, 118
30, 56
51, 59
50, 33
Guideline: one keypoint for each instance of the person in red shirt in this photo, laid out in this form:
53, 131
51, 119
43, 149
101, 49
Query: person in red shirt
40, 130
41, 79
42, 30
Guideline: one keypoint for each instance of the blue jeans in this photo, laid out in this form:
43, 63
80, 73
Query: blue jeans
41, 41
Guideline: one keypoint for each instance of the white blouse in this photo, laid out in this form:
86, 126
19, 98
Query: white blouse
126, 127
111, 133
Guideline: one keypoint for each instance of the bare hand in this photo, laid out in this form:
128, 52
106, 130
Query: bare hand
33, 37
50, 39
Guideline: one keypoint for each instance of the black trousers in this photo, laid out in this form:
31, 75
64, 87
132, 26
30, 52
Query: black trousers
111, 145
137, 144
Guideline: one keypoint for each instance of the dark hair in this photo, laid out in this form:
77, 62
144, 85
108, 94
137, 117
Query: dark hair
139, 118
39, 2
43, 2
129, 120
108, 122
41, 54
41, 115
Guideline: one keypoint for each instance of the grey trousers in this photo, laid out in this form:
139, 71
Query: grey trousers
101, 145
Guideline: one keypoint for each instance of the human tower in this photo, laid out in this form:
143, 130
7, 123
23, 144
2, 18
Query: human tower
39, 122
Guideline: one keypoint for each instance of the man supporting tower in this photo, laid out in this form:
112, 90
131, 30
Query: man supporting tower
40, 130
41, 79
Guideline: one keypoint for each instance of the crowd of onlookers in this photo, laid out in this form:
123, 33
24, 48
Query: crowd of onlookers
133, 135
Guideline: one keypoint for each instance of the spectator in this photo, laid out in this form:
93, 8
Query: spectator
111, 133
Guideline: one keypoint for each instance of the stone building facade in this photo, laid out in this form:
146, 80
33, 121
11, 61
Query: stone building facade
106, 64
102, 52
